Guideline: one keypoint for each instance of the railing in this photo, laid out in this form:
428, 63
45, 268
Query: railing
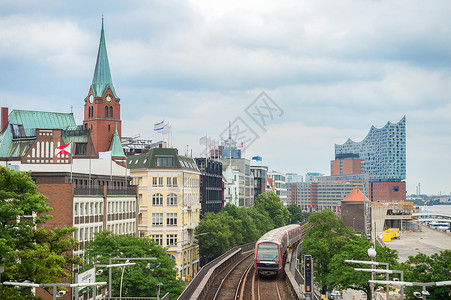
88, 191
129, 191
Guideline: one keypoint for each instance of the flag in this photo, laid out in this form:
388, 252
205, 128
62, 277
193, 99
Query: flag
257, 158
241, 145
166, 129
158, 126
105, 155
64, 149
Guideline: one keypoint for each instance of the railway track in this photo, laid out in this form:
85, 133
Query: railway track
241, 281
227, 284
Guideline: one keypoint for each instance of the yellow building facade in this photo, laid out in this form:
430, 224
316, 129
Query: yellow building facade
168, 204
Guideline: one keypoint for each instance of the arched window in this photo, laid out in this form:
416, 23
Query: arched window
109, 127
106, 111
157, 199
172, 199
111, 111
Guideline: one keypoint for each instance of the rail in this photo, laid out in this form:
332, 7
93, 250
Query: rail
199, 285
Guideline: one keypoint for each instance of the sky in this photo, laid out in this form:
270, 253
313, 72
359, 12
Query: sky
293, 78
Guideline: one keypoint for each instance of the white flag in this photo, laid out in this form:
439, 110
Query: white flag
105, 155
167, 129
158, 126
63, 149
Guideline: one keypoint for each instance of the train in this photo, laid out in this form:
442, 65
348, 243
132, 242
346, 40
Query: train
271, 248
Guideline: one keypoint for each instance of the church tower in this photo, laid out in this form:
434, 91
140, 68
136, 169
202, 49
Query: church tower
102, 113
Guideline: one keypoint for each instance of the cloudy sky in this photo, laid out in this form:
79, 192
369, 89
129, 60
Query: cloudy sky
331, 69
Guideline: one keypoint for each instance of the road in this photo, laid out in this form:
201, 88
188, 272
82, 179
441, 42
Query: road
428, 241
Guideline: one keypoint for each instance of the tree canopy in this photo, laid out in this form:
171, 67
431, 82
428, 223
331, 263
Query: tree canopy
140, 279
269, 203
423, 268
28, 251
296, 216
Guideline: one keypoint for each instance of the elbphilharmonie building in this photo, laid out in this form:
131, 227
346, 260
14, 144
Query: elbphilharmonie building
382, 151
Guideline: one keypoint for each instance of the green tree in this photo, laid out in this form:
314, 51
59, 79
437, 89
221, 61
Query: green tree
296, 216
140, 279
269, 203
214, 236
262, 221
248, 228
325, 235
423, 268
342, 274
29, 251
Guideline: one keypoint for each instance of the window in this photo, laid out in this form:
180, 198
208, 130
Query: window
174, 181
157, 219
80, 148
81, 209
111, 111
395, 188
163, 161
168, 181
171, 239
154, 181
157, 199
172, 199
76, 209
106, 111
158, 238
160, 181
171, 219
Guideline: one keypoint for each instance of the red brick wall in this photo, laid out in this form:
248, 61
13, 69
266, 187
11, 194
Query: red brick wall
335, 167
386, 191
61, 200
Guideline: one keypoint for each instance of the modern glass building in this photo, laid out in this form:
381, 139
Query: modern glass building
383, 152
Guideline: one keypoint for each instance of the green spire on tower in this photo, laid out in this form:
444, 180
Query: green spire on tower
102, 75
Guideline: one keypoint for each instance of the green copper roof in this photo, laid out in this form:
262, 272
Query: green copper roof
116, 146
32, 120
102, 75
149, 160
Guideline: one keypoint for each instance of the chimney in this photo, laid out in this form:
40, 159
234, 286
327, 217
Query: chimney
4, 119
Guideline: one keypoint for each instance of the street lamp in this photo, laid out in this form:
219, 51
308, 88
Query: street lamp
122, 278
372, 254
159, 285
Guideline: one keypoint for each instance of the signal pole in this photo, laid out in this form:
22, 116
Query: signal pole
308, 277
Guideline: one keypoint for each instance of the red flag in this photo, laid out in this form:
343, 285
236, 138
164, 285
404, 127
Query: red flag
64, 149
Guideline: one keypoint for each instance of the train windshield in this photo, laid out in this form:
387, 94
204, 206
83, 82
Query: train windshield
268, 251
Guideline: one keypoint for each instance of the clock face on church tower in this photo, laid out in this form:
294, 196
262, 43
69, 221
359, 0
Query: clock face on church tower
108, 99
91, 98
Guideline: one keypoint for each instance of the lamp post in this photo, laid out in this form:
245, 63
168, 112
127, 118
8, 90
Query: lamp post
387, 272
122, 278
159, 285
372, 254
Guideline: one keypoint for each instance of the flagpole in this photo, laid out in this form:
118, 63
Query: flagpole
71, 163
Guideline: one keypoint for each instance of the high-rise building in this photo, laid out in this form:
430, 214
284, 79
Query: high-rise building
260, 174
169, 208
239, 182
383, 152
279, 183
211, 185
381, 155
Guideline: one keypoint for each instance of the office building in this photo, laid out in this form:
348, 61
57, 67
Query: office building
169, 207
211, 185
260, 174
279, 181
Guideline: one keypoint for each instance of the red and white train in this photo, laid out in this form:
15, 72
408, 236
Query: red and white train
271, 248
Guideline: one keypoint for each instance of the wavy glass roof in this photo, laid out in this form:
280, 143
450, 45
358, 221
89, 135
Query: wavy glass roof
383, 151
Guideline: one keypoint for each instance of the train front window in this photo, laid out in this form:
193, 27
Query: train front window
267, 251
